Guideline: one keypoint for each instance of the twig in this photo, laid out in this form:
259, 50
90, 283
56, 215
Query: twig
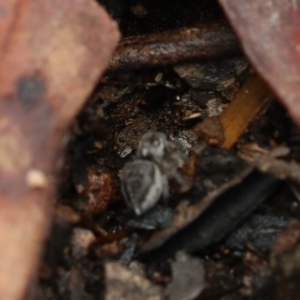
209, 40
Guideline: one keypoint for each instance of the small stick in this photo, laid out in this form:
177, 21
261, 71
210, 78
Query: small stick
227, 210
243, 108
205, 41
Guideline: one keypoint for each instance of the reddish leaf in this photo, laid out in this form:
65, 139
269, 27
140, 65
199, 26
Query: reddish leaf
51, 55
270, 34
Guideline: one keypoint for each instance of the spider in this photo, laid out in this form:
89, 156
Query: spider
143, 185
147, 179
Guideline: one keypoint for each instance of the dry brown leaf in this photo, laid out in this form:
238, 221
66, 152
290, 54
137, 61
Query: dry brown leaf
51, 55
270, 35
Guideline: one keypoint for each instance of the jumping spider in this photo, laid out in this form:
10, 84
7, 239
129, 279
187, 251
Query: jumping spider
159, 164
143, 185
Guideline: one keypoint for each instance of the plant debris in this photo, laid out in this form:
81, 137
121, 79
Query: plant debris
276, 59
122, 283
49, 65
210, 40
180, 175
188, 278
